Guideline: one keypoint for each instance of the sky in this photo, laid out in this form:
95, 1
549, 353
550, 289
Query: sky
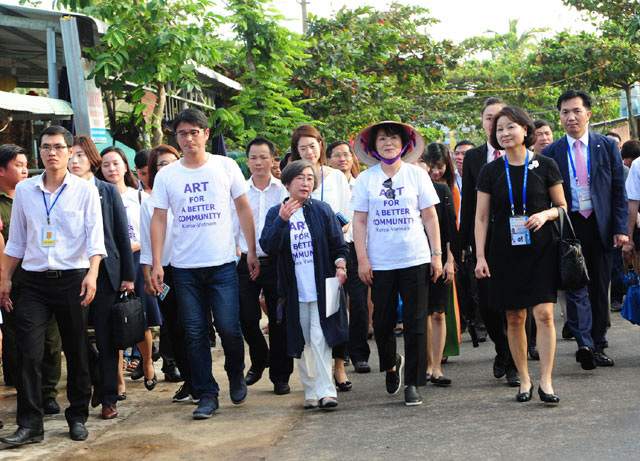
460, 19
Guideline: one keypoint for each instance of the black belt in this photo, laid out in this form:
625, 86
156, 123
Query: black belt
263, 260
57, 274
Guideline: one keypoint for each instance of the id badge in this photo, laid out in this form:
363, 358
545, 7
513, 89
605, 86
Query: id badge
519, 234
584, 198
48, 236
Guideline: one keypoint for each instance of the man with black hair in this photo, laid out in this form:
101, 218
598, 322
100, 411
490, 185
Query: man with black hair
199, 189
543, 135
494, 321
56, 230
264, 192
594, 187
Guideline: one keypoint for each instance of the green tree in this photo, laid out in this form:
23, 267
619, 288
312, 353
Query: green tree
263, 57
592, 62
367, 65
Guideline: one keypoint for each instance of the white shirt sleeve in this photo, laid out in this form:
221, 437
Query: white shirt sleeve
17, 244
360, 194
93, 224
160, 197
239, 185
632, 185
146, 256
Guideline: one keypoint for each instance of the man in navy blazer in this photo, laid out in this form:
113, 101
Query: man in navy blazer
598, 211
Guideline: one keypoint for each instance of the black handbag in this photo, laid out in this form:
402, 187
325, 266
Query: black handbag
573, 272
127, 321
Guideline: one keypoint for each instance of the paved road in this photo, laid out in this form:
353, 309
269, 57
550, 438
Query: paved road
476, 418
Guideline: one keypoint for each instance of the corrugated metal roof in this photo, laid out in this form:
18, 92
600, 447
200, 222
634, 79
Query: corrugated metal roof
36, 105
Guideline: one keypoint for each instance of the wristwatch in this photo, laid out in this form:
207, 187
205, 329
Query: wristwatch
436, 252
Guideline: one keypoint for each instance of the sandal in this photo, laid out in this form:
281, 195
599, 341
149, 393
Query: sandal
310, 404
125, 364
133, 364
328, 403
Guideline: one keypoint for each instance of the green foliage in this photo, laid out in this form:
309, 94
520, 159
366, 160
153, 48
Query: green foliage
367, 65
152, 43
263, 57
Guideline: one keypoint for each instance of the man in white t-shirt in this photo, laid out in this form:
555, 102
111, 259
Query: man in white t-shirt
198, 190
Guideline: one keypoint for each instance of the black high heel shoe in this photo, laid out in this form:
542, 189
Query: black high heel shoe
150, 384
548, 398
344, 386
525, 396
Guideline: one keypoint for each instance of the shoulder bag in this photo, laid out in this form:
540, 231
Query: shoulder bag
571, 264
127, 321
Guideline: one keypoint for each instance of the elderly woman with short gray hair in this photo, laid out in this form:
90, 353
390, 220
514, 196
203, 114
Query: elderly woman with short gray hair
306, 236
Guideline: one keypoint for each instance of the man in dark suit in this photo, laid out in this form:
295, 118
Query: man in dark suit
495, 322
591, 167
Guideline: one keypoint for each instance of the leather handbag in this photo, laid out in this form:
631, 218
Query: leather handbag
127, 321
571, 264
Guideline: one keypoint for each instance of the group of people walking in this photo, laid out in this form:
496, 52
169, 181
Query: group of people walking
421, 231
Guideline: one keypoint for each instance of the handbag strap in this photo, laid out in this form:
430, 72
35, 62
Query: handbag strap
562, 219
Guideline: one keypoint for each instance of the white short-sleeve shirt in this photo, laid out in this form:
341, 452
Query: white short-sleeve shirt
633, 181
395, 233
200, 200
302, 254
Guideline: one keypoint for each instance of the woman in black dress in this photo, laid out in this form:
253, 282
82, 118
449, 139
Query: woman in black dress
521, 260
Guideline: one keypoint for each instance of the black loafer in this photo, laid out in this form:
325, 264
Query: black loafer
586, 357
603, 360
253, 375
281, 388
23, 436
78, 432
513, 378
533, 353
499, 367
566, 331
50, 406
173, 375
412, 396
362, 366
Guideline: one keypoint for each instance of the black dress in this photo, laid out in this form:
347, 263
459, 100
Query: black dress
524, 275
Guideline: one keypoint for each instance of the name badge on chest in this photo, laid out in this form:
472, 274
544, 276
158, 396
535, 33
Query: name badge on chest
48, 236
519, 233
584, 198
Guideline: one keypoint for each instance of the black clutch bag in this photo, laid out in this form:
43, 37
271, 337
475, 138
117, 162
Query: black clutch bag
572, 267
127, 321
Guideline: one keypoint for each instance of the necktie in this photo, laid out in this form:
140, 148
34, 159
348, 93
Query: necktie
496, 154
581, 171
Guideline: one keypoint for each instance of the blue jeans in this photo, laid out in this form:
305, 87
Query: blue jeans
199, 290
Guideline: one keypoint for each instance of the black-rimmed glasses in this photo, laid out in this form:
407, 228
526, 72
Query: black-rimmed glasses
389, 193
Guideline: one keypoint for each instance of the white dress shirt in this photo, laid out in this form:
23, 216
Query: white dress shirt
490, 152
76, 218
575, 206
261, 202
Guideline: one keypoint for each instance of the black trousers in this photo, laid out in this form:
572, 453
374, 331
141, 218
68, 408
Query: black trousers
171, 319
412, 283
599, 264
358, 310
275, 355
467, 290
41, 298
495, 321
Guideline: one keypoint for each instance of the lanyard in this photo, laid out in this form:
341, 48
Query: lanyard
322, 185
53, 204
524, 185
573, 166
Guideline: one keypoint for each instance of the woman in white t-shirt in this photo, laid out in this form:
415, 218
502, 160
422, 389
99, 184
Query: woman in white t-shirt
333, 188
394, 203
115, 169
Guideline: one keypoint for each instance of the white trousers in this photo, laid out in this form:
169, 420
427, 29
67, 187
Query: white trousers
315, 364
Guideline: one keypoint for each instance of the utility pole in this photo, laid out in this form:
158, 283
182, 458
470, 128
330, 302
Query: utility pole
305, 24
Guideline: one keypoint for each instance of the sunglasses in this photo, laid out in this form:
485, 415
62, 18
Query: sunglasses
389, 193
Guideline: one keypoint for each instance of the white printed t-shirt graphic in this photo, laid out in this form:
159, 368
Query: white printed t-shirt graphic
200, 200
395, 234
302, 253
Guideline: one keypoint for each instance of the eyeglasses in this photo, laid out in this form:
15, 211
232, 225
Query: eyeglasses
389, 193
345, 155
186, 134
48, 148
